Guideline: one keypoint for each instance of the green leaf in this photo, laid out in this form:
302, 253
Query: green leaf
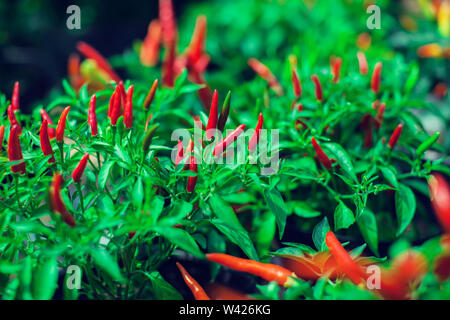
278, 207
122, 154
104, 173
138, 193
319, 233
161, 288
405, 207
45, 279
224, 212
68, 89
390, 176
180, 238
343, 217
106, 262
368, 226
342, 157
238, 237
302, 209
178, 213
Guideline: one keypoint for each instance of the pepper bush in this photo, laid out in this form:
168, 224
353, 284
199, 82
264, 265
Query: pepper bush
98, 200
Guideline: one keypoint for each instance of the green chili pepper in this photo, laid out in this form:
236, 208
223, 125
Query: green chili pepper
148, 138
45, 280
412, 78
424, 146
25, 279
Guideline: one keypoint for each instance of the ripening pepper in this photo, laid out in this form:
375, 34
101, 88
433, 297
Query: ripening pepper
267, 271
15, 151
149, 53
440, 199
362, 61
79, 169
255, 137
323, 158
194, 286
222, 145
56, 203
376, 78
336, 70
296, 84
15, 96
318, 87
395, 136
264, 72
62, 125
2, 135
192, 181
196, 49
92, 117
148, 138
45, 141
128, 112
90, 53
179, 156
151, 95
51, 131
223, 117
212, 120
12, 118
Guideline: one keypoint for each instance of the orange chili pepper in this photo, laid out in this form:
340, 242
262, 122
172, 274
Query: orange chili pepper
194, 286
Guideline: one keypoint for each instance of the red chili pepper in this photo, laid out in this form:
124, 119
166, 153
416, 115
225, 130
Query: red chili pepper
212, 120
222, 145
151, 95
362, 61
168, 68
376, 78
192, 181
189, 149
379, 117
45, 141
51, 131
149, 53
73, 70
90, 53
79, 169
344, 261
264, 72
168, 22
123, 96
296, 84
255, 137
336, 71
318, 87
267, 271
440, 199
15, 151
62, 125
323, 158
12, 118
128, 112
15, 96
196, 48
218, 291
115, 106
194, 286
2, 135
92, 117
224, 112
56, 203
395, 136
179, 153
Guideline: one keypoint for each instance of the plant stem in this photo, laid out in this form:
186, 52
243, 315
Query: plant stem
80, 193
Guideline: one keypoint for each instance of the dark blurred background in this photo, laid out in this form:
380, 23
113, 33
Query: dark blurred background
35, 41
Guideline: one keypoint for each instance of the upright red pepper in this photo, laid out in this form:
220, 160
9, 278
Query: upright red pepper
395, 136
15, 96
336, 71
194, 286
128, 112
51, 131
362, 61
296, 84
179, 153
196, 49
267, 271
224, 112
15, 151
56, 203
323, 158
440, 199
212, 120
192, 181
149, 53
151, 95
264, 72
12, 118
2, 135
62, 125
90, 53
255, 137
92, 117
123, 95
318, 87
169, 36
79, 169
376, 78
45, 141
114, 106
222, 145
344, 261
380, 114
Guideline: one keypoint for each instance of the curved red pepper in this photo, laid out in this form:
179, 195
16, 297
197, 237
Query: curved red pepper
46, 147
376, 78
128, 112
15, 96
440, 199
323, 158
15, 151
222, 145
12, 118
151, 95
192, 181
213, 113
51, 131
56, 202
92, 117
60, 127
318, 87
296, 84
194, 286
78, 171
362, 61
264, 72
395, 136
255, 137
